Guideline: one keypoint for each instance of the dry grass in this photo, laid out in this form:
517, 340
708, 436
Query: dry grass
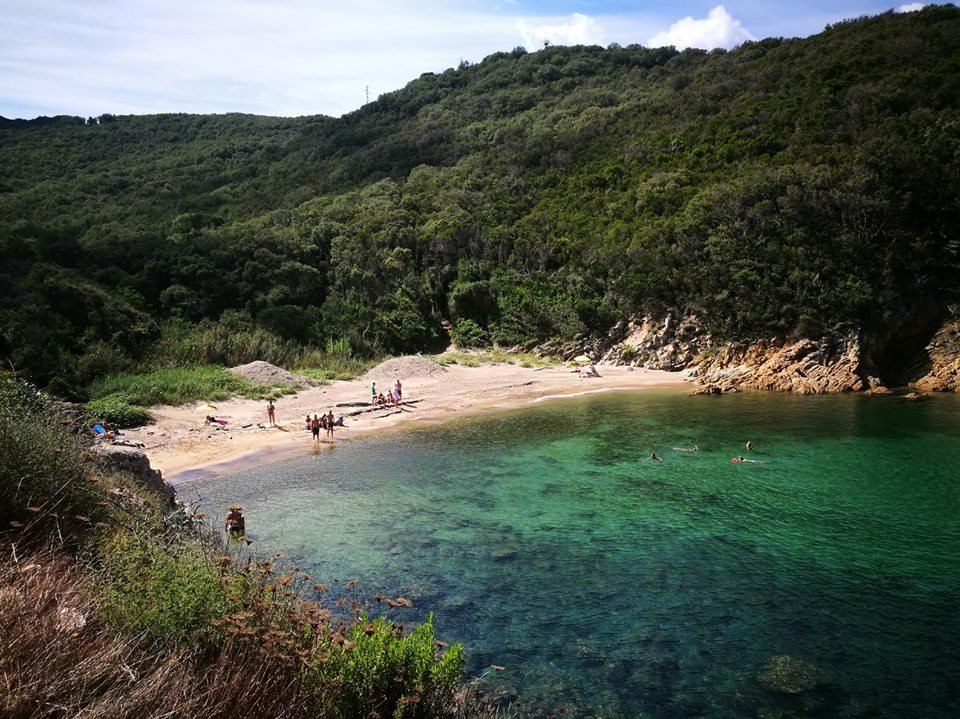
59, 659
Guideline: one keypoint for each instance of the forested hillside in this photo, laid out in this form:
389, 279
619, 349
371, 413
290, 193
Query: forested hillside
786, 188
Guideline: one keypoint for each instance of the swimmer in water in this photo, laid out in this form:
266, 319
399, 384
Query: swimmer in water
694, 448
749, 446
744, 459
653, 455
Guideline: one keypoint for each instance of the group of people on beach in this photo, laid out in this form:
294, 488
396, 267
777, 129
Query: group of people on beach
394, 397
325, 422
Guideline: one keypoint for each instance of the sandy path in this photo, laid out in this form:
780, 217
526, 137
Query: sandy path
178, 443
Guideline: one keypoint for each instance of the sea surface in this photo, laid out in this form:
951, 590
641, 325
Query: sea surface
610, 584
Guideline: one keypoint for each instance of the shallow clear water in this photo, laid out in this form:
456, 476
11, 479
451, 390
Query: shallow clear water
610, 584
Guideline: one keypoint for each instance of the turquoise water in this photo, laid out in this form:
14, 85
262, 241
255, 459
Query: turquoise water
609, 584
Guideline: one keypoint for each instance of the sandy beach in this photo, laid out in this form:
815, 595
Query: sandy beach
179, 444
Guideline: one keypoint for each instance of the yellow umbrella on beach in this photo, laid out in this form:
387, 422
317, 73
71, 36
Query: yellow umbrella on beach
206, 408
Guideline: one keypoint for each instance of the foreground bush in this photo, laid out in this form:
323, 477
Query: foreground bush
376, 668
43, 476
167, 592
115, 410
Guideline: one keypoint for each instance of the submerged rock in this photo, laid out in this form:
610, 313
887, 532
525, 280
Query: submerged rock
788, 675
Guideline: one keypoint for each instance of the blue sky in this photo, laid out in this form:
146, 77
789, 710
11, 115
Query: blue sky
306, 57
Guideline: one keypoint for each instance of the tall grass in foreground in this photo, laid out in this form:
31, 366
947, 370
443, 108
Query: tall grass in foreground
274, 655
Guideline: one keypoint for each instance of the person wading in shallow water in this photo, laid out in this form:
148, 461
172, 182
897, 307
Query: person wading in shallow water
235, 524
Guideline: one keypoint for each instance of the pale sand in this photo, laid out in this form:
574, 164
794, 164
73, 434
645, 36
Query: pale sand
179, 443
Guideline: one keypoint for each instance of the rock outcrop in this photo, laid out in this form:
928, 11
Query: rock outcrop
803, 367
940, 372
135, 463
672, 345
842, 363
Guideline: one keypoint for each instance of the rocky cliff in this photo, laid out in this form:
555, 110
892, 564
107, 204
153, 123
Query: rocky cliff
808, 366
939, 367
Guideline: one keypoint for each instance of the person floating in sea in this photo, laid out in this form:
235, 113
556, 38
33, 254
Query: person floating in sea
694, 448
749, 446
653, 456
271, 414
744, 460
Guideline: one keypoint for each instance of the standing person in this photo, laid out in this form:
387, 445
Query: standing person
330, 421
309, 423
315, 428
271, 414
399, 392
373, 394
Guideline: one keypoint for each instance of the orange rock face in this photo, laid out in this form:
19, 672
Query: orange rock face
943, 371
804, 367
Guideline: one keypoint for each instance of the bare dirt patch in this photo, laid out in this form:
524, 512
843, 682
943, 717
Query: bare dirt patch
265, 373
404, 368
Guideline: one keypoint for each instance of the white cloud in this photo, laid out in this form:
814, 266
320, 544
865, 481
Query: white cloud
579, 29
279, 58
718, 29
912, 7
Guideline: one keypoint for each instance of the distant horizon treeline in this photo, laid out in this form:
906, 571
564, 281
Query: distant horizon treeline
790, 187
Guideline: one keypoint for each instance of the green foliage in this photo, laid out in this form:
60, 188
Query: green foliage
378, 669
467, 334
169, 592
785, 187
230, 342
42, 473
177, 386
115, 410
494, 356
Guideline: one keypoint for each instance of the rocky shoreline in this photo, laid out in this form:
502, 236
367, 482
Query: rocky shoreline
845, 362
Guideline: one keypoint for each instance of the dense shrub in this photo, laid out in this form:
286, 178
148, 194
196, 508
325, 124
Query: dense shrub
169, 592
467, 334
115, 410
377, 669
43, 476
